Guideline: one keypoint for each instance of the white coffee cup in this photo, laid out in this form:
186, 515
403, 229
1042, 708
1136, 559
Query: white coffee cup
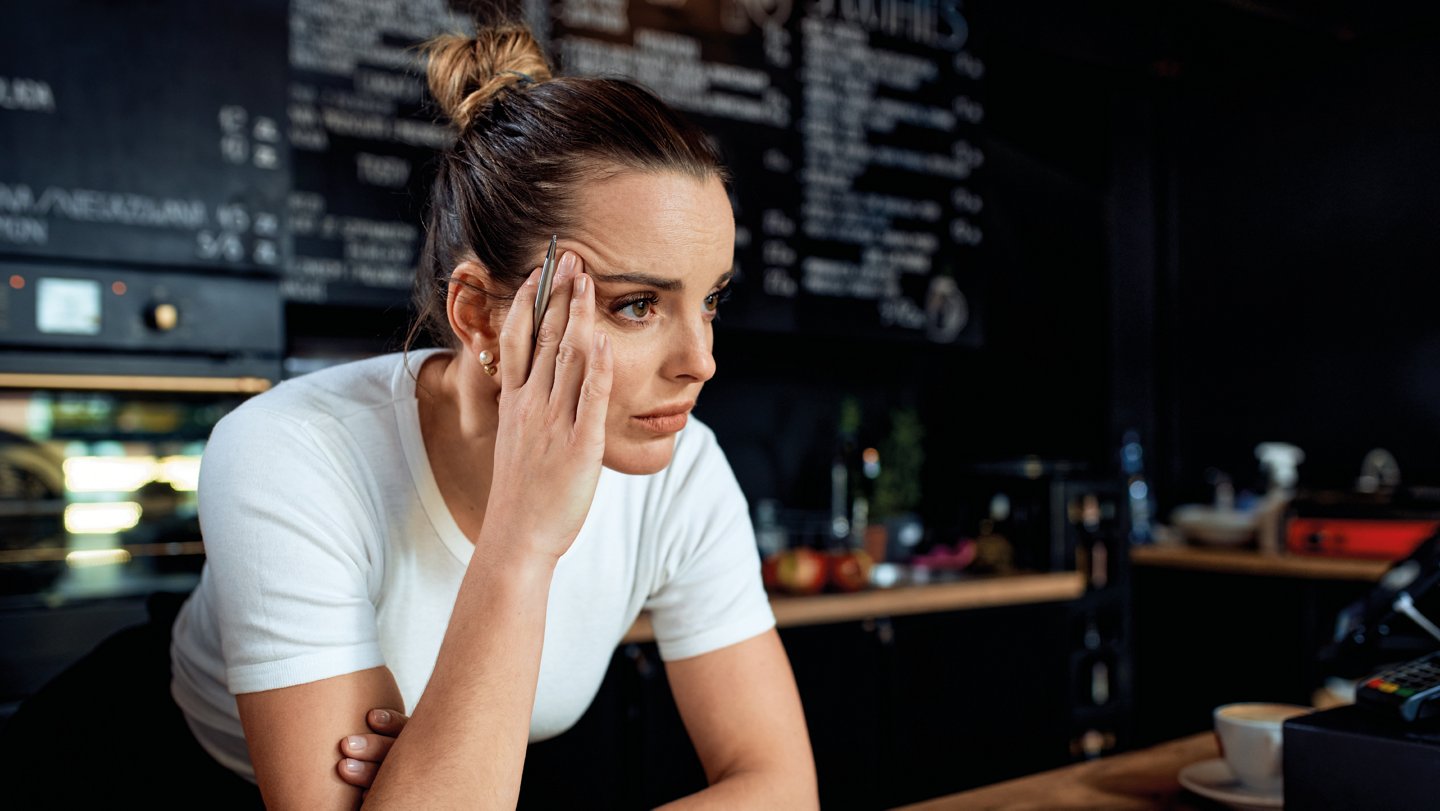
1250, 737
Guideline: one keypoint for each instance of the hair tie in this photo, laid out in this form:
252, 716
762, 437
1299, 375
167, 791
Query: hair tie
524, 77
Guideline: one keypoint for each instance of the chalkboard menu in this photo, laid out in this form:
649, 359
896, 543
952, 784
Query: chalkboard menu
297, 137
361, 135
850, 127
149, 133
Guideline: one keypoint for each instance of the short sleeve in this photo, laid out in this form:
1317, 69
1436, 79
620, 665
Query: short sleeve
288, 545
711, 595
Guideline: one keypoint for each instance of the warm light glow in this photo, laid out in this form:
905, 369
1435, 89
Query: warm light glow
106, 518
109, 474
118, 288
181, 472
81, 558
225, 385
17, 282
126, 474
871, 466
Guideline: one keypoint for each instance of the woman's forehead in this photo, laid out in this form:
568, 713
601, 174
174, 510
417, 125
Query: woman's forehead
656, 224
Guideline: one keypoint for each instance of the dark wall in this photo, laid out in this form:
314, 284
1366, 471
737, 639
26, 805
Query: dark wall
1266, 177
1306, 171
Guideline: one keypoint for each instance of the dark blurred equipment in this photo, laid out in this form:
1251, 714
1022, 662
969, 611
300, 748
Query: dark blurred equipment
1407, 599
1384, 751
97, 512
1410, 691
1349, 757
32, 503
1389, 625
107, 327
1379, 524
1057, 515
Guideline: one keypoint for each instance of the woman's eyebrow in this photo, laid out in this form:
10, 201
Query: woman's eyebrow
645, 279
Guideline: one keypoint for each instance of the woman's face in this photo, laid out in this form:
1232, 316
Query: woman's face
659, 247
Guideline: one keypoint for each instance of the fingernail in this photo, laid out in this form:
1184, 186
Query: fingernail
567, 262
601, 339
352, 766
355, 743
382, 716
580, 284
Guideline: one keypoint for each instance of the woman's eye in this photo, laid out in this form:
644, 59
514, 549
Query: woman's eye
712, 301
637, 310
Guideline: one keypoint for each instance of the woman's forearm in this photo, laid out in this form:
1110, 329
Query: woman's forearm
772, 789
465, 742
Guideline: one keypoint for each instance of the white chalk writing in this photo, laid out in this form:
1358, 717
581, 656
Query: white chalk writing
91, 205
24, 230
928, 22
670, 64
31, 95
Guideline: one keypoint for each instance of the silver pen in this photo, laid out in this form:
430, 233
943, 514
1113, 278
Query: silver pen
547, 279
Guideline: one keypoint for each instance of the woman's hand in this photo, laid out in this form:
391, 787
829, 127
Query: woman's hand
362, 754
551, 435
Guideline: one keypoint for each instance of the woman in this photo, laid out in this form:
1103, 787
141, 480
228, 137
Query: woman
467, 533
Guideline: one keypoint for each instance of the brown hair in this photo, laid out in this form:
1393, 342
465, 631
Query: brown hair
526, 142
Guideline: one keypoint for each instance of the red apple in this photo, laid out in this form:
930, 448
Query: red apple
850, 569
801, 571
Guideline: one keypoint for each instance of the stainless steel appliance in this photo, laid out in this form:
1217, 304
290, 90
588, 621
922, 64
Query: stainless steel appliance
110, 382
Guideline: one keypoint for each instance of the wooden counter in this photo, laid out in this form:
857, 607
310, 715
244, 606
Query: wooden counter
1135, 781
979, 592
1250, 562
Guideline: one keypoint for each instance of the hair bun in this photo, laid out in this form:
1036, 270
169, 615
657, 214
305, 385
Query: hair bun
467, 73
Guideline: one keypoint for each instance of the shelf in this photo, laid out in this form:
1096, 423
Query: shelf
979, 592
1250, 562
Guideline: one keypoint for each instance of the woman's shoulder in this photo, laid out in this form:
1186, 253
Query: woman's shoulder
335, 391
328, 416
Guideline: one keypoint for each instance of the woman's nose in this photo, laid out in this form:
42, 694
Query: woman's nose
690, 356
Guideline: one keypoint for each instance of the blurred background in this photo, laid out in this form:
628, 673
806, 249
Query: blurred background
1022, 288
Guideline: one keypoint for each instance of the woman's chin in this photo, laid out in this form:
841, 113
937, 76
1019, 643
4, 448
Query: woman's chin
639, 459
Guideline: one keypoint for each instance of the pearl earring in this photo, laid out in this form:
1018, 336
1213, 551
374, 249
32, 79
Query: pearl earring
487, 362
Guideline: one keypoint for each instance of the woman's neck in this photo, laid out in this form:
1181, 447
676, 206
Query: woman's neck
459, 412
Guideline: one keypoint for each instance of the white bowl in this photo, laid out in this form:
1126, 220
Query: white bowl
1213, 525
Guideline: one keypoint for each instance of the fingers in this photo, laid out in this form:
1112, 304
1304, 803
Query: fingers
595, 393
368, 748
357, 772
362, 754
515, 335
386, 722
574, 354
553, 323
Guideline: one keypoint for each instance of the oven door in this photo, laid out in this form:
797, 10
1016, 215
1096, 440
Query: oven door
97, 512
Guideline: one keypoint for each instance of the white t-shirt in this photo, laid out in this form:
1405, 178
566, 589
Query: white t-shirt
330, 550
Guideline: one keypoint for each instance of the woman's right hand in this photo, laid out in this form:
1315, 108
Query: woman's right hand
363, 754
551, 435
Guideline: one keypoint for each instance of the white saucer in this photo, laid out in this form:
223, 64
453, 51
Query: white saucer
1213, 779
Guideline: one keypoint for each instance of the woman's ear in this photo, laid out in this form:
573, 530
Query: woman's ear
468, 308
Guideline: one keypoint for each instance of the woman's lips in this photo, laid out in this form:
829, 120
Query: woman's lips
667, 424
